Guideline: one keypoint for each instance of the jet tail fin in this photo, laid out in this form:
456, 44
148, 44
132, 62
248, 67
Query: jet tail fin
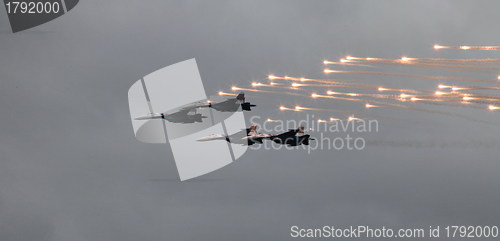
252, 130
241, 96
300, 131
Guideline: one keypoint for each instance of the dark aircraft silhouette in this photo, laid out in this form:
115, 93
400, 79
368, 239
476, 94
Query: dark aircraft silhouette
292, 137
181, 116
247, 136
232, 104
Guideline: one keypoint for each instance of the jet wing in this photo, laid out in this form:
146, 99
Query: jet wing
288, 134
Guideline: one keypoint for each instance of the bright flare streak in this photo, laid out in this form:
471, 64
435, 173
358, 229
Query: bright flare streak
321, 121
371, 106
352, 118
405, 59
349, 57
498, 77
415, 99
403, 95
464, 47
296, 85
298, 108
314, 95
382, 89
235, 88
271, 120
492, 107
468, 98
223, 93
438, 46
444, 87
272, 76
441, 93
329, 71
334, 119
344, 60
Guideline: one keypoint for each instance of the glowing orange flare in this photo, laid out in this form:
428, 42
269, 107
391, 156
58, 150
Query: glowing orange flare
223, 93
368, 106
352, 118
272, 76
492, 107
441, 93
405, 59
271, 120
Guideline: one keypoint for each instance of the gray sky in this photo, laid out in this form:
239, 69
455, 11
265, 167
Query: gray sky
71, 169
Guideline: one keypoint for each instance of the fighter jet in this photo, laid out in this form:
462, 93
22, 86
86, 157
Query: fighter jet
247, 137
231, 105
293, 137
181, 116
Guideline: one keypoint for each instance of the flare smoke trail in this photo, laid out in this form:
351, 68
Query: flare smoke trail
407, 60
410, 76
415, 62
406, 107
465, 47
